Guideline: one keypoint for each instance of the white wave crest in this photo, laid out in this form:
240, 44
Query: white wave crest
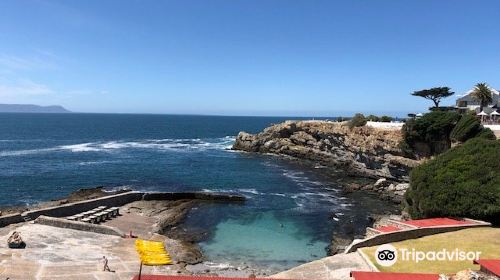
195, 144
84, 147
25, 152
252, 191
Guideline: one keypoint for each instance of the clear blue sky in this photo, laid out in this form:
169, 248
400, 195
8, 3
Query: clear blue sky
242, 57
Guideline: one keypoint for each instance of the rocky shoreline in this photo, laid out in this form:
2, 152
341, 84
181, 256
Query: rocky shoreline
341, 152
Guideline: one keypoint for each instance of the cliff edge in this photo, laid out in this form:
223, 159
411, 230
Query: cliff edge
360, 151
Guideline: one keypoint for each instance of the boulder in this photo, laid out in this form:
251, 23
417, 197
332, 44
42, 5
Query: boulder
246, 142
15, 241
351, 187
382, 183
402, 187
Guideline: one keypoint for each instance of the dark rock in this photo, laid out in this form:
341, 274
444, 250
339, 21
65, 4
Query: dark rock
15, 241
352, 187
338, 245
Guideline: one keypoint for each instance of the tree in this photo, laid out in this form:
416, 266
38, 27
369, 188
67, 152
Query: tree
372, 118
483, 94
386, 119
435, 94
357, 120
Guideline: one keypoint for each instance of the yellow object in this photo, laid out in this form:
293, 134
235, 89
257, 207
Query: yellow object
152, 252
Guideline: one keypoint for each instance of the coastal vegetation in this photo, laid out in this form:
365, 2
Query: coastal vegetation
462, 182
435, 94
435, 132
428, 135
469, 127
360, 120
374, 118
357, 121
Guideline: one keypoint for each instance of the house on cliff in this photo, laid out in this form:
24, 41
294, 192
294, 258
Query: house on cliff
468, 103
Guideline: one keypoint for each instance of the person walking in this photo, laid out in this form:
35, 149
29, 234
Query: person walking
105, 264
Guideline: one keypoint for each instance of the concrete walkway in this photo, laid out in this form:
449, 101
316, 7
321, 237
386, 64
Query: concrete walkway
337, 267
57, 253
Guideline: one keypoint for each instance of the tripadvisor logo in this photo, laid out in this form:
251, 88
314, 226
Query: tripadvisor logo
387, 255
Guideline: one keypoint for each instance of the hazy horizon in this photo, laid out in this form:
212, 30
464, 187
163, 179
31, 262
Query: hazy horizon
229, 114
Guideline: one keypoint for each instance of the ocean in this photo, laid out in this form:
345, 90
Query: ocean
291, 213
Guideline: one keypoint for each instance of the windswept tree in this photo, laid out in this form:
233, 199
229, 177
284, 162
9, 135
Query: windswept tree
483, 94
435, 94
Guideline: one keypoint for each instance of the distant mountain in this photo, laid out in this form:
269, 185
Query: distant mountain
28, 108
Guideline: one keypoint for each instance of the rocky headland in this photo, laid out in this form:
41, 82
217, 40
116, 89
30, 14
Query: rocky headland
359, 152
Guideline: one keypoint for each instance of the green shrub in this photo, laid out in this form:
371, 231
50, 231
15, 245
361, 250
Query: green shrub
467, 127
357, 120
486, 133
443, 109
429, 135
372, 118
386, 119
462, 182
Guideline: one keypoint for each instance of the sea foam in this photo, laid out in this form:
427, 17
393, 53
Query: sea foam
195, 144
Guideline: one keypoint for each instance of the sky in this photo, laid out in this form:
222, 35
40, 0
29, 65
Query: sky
242, 57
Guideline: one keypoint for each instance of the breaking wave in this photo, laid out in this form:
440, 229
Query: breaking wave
196, 144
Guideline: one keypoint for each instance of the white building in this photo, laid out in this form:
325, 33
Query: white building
468, 103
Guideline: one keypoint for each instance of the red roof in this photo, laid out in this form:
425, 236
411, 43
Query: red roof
164, 277
388, 229
361, 275
436, 222
492, 266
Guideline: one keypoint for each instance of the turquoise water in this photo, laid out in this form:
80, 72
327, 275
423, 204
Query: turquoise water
266, 238
291, 210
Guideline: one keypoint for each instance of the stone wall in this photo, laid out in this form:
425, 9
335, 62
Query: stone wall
117, 200
193, 195
86, 205
63, 223
10, 219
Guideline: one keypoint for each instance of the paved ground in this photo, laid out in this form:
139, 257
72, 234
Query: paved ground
337, 267
140, 226
56, 253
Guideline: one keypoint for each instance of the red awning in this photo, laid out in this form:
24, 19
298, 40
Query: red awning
388, 229
493, 266
436, 222
362, 275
